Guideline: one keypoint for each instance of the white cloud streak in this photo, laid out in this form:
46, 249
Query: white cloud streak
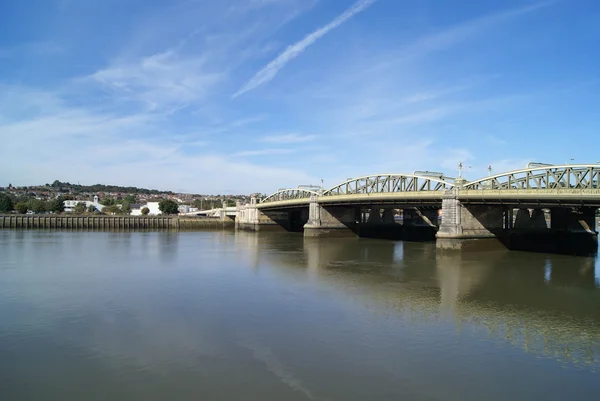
456, 34
163, 80
263, 152
288, 138
268, 72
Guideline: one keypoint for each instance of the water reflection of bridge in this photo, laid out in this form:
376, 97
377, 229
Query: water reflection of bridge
547, 304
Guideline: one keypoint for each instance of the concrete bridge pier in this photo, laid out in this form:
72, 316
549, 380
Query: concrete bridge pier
388, 217
574, 220
538, 219
331, 221
570, 232
534, 220
462, 222
417, 224
380, 224
374, 216
250, 218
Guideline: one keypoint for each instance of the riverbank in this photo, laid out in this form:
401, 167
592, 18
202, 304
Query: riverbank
48, 221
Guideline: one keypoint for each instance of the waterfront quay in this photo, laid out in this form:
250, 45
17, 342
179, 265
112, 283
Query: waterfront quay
47, 221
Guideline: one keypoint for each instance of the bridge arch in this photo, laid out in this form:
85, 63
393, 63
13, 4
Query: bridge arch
390, 183
568, 176
289, 194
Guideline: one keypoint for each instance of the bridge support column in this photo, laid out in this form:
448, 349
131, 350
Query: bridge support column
417, 225
462, 222
374, 216
388, 216
538, 219
570, 232
250, 218
508, 218
451, 226
566, 219
534, 221
330, 221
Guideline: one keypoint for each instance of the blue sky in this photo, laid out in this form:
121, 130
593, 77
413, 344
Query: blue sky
240, 96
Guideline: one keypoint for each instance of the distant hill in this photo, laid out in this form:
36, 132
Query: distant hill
76, 188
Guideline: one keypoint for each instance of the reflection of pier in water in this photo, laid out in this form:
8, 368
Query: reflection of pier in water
547, 304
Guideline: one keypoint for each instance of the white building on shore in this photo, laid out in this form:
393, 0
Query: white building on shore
152, 207
71, 204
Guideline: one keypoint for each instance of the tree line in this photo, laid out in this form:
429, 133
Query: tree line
104, 188
112, 206
8, 204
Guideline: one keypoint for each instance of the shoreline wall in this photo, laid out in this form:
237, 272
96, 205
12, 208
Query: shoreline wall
95, 222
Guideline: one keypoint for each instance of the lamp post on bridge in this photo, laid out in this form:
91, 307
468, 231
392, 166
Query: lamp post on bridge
460, 180
461, 167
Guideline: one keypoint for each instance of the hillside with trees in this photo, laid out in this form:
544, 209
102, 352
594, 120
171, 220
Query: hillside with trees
76, 188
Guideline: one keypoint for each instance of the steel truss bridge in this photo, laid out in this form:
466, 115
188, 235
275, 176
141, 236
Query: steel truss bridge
547, 185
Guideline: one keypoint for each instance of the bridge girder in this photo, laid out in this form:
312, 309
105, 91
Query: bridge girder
570, 176
388, 183
289, 194
558, 181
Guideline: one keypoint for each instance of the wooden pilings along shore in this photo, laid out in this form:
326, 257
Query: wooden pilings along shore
111, 222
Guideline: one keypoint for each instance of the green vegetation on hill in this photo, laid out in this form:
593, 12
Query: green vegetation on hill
76, 188
6, 203
35, 205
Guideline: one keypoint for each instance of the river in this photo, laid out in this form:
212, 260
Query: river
223, 315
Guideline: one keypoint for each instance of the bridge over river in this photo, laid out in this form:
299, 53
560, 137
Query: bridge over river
541, 207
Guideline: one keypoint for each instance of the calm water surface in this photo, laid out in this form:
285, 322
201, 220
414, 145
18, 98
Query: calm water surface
237, 316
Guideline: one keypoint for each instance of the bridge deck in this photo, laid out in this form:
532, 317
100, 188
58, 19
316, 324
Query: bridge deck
571, 196
577, 185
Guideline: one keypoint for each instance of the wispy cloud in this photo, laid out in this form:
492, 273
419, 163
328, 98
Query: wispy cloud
453, 35
468, 29
288, 138
166, 79
268, 72
420, 117
264, 152
427, 95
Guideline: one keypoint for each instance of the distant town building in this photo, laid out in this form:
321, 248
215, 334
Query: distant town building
71, 204
136, 209
153, 207
187, 209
